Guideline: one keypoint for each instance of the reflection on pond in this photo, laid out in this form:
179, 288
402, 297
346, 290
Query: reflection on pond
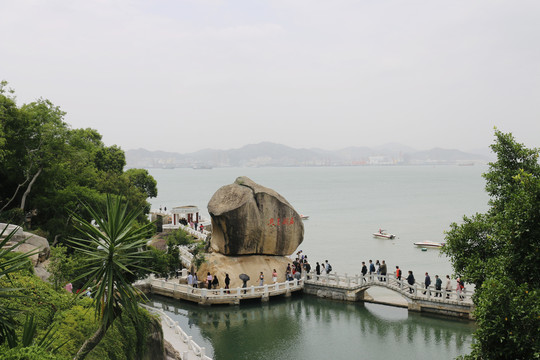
305, 327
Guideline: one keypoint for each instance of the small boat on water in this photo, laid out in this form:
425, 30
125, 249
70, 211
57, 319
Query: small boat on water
429, 244
384, 235
304, 217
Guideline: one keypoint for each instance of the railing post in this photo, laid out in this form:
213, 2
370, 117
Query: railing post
252, 290
415, 290
266, 289
337, 279
356, 279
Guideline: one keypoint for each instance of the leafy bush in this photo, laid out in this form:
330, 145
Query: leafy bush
74, 320
29, 353
126, 339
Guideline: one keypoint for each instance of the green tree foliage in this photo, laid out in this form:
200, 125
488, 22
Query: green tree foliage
46, 168
64, 268
499, 251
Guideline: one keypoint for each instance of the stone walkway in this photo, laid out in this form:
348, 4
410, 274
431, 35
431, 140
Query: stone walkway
179, 340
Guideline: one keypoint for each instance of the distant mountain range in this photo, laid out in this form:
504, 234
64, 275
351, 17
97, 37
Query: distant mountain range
271, 154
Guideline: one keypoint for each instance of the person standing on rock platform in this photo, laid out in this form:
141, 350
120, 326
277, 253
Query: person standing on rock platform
190, 279
261, 279
318, 268
410, 280
215, 282
274, 276
209, 281
227, 282
195, 280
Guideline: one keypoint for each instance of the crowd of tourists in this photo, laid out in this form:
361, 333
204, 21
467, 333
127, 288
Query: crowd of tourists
300, 265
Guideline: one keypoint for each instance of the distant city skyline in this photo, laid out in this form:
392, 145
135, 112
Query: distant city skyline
183, 76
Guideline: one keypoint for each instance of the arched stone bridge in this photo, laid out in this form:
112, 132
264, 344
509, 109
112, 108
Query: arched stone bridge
352, 288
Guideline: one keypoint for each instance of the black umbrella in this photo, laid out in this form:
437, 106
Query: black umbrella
243, 277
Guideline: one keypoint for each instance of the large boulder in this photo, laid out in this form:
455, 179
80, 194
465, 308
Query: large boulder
250, 219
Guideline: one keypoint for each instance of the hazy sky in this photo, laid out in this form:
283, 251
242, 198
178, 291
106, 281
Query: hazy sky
183, 75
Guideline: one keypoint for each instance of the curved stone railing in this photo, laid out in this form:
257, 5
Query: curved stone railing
199, 235
228, 294
186, 256
192, 346
416, 291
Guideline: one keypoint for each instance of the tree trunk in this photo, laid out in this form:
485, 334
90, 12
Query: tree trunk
29, 188
91, 343
14, 195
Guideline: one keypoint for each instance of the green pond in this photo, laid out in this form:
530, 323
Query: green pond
307, 327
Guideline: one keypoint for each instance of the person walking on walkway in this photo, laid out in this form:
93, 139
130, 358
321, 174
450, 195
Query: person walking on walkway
364, 271
328, 267
410, 280
398, 273
274, 276
427, 282
383, 271
371, 268
438, 286
215, 282
459, 289
318, 268
448, 286
261, 279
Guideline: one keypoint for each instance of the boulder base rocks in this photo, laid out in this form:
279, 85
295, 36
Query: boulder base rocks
218, 264
250, 219
27, 242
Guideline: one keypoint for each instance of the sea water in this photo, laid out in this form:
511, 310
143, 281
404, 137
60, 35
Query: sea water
345, 206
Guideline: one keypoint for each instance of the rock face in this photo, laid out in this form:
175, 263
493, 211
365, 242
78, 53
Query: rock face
250, 219
219, 265
28, 242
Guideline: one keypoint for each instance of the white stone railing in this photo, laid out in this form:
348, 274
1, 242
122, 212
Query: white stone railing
186, 256
221, 293
192, 346
199, 235
417, 291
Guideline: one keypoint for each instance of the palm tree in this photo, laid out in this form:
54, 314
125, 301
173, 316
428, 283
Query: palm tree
9, 264
115, 249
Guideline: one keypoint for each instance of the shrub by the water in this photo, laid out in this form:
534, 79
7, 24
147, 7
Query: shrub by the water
74, 321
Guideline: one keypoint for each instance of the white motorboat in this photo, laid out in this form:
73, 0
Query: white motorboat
304, 217
384, 235
429, 244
